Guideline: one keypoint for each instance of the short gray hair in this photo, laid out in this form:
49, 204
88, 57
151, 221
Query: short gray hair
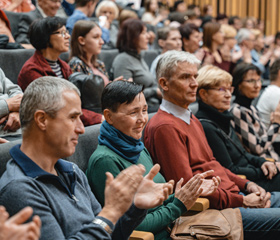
243, 34
107, 3
45, 93
169, 61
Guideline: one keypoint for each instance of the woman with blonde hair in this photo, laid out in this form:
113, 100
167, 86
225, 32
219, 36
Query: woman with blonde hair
109, 11
214, 92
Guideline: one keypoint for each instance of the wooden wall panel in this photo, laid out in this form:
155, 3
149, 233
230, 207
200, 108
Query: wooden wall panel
267, 10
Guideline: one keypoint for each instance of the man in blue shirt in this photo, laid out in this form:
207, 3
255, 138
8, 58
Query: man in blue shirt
57, 190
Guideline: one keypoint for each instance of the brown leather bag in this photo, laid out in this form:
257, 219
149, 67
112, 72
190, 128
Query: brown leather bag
210, 224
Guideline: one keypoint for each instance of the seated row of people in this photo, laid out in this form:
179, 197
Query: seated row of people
174, 146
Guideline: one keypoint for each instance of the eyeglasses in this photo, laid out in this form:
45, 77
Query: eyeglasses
253, 81
222, 90
62, 33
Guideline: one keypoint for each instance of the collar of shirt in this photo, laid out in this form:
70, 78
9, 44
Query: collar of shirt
177, 111
41, 11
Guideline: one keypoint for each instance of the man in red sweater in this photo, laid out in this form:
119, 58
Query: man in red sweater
176, 140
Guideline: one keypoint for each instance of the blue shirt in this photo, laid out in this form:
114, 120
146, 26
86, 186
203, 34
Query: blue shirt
79, 15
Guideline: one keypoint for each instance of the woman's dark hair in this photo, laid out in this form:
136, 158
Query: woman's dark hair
277, 36
81, 29
240, 71
187, 29
119, 92
41, 30
129, 34
209, 29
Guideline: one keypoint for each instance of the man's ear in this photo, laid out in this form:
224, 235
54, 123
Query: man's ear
163, 82
202, 93
40, 118
108, 116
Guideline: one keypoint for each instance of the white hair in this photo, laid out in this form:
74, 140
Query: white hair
243, 34
168, 62
106, 3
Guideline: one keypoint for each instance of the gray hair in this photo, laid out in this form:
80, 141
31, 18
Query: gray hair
45, 93
168, 62
243, 34
107, 4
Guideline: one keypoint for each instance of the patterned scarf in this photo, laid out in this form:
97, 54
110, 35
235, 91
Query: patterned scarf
126, 146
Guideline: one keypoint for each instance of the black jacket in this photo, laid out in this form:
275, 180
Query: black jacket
230, 153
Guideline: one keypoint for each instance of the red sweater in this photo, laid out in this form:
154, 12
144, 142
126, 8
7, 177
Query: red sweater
37, 66
182, 151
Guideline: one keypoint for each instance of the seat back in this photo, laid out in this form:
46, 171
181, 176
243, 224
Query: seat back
14, 19
149, 56
12, 60
108, 56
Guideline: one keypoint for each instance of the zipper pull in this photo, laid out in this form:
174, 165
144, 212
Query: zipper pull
74, 197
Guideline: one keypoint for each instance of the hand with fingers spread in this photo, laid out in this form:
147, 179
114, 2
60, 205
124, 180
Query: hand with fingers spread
14, 228
269, 169
195, 187
151, 194
119, 192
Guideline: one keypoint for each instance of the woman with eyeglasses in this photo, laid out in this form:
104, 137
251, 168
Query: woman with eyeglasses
214, 93
50, 38
254, 135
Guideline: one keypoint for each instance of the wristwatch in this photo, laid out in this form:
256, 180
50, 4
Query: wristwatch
103, 224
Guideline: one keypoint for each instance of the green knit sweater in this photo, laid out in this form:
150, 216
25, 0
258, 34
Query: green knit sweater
159, 218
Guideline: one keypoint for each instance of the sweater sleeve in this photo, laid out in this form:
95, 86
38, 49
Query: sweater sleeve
231, 161
14, 200
157, 218
245, 123
172, 155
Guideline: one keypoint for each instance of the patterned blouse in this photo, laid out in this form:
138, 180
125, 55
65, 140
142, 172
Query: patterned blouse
78, 65
254, 135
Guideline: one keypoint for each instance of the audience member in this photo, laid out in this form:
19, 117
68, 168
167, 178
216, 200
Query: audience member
50, 38
14, 228
235, 21
191, 37
83, 10
10, 98
45, 8
86, 43
249, 23
17, 6
126, 14
109, 10
151, 15
269, 102
179, 6
254, 135
195, 8
58, 190
168, 39
228, 50
246, 42
213, 38
7, 40
132, 39
120, 147
222, 19
214, 93
175, 139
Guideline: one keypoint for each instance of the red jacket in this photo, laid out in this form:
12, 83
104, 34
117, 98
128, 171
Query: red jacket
37, 66
182, 151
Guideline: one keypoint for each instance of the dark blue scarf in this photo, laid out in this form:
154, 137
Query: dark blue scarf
126, 146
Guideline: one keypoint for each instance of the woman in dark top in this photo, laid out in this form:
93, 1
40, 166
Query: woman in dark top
214, 91
132, 39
